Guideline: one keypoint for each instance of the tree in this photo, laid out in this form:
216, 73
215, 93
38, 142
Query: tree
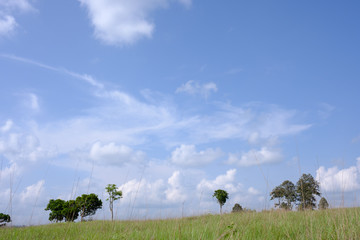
323, 204
4, 218
56, 207
221, 196
237, 208
286, 195
114, 195
70, 211
306, 188
88, 204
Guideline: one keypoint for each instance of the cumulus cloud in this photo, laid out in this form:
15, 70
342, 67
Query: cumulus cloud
33, 102
17, 146
123, 22
8, 23
116, 155
7, 126
32, 192
194, 88
339, 180
226, 182
186, 155
22, 5
256, 157
175, 191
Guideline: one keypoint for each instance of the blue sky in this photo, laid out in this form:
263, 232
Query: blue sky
173, 99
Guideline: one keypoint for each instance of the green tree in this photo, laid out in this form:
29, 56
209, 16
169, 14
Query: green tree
4, 218
221, 196
323, 204
70, 211
307, 188
237, 208
114, 195
286, 195
88, 204
56, 207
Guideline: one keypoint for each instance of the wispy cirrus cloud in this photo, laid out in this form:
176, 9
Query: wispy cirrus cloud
194, 88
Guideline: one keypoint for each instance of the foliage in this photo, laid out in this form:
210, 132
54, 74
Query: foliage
56, 207
323, 204
221, 196
88, 204
70, 211
4, 218
286, 195
306, 188
114, 195
237, 208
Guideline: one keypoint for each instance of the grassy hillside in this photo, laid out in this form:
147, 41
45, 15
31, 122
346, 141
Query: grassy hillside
329, 224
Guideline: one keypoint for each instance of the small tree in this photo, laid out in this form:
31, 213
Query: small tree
306, 188
237, 208
221, 196
57, 210
70, 211
323, 204
114, 195
286, 195
88, 204
4, 218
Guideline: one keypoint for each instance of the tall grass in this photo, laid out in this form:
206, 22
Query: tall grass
327, 224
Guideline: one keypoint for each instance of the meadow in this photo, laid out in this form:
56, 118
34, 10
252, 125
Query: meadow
343, 223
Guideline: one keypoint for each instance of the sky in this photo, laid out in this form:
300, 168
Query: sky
173, 99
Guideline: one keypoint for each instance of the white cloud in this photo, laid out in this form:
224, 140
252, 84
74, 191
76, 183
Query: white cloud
186, 155
194, 88
7, 25
186, 3
22, 5
83, 77
175, 191
253, 191
325, 110
116, 155
256, 157
339, 180
7, 126
226, 182
33, 102
32, 192
22, 147
123, 22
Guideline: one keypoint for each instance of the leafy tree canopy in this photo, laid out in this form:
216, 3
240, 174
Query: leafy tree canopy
307, 188
114, 195
237, 208
323, 204
56, 207
70, 211
88, 204
221, 196
4, 218
285, 193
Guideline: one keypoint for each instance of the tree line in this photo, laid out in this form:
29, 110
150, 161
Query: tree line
303, 194
84, 205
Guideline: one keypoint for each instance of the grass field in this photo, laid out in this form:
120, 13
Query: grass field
327, 224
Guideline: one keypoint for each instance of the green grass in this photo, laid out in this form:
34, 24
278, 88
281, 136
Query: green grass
329, 224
